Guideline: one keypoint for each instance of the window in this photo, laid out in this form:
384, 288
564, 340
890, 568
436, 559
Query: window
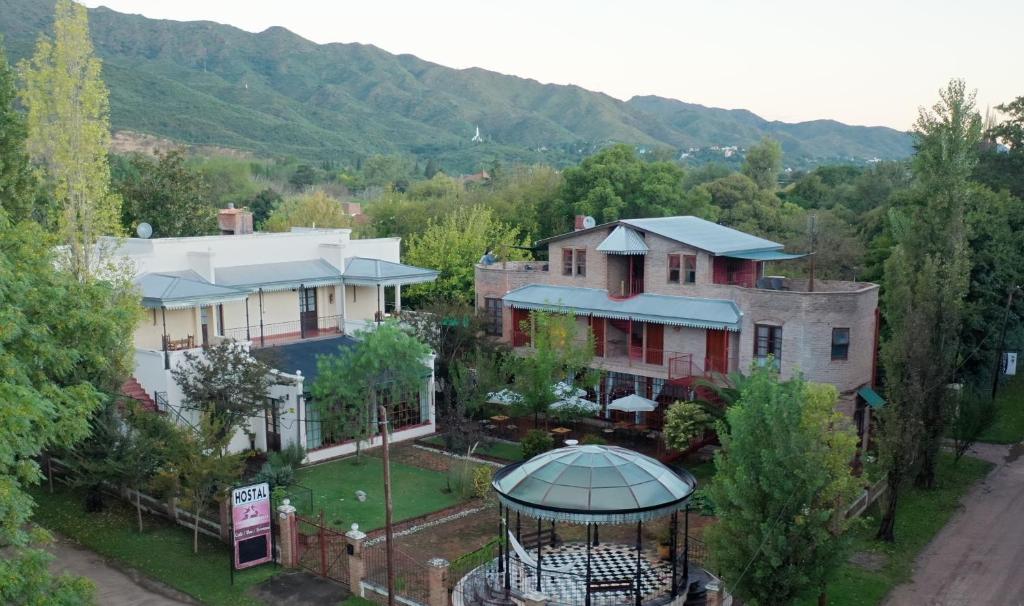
674, 268
566, 261
690, 269
307, 299
492, 312
768, 342
581, 261
840, 343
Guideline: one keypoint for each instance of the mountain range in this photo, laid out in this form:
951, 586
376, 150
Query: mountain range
274, 93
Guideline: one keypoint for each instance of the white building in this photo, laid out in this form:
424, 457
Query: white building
305, 293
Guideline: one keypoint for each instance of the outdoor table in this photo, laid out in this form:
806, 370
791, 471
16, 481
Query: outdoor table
561, 432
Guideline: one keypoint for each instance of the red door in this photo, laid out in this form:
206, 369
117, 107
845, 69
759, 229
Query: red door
597, 329
655, 353
520, 327
717, 351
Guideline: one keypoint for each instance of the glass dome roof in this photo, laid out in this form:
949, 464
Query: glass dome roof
593, 483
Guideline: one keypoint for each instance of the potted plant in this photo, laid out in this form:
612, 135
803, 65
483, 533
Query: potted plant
665, 544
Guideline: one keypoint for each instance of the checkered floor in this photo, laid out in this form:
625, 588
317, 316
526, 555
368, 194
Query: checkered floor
564, 569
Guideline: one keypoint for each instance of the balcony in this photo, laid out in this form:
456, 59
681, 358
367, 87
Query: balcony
285, 332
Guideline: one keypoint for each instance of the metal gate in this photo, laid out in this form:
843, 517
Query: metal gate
322, 550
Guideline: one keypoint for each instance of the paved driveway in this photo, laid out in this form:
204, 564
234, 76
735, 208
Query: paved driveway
113, 587
978, 558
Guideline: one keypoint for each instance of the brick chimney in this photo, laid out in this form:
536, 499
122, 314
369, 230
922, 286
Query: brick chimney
234, 221
579, 222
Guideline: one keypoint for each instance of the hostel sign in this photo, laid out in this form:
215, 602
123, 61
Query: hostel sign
250, 519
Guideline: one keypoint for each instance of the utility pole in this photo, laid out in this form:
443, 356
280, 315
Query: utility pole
812, 227
1002, 341
388, 533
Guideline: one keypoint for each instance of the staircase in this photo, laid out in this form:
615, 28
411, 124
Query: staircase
134, 390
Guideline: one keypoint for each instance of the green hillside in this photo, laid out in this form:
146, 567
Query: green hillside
276, 93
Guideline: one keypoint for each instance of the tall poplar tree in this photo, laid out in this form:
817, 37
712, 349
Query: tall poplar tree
16, 179
69, 137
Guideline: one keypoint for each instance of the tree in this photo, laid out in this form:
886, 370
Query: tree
204, 468
17, 183
1001, 162
781, 485
386, 366
454, 244
225, 382
558, 354
430, 169
315, 209
69, 137
303, 177
764, 163
262, 205
65, 345
168, 195
971, 415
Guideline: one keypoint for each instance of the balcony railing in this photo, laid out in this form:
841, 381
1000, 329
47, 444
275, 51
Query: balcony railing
626, 288
282, 331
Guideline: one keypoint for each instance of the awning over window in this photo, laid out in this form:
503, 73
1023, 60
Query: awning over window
871, 397
766, 255
661, 309
623, 241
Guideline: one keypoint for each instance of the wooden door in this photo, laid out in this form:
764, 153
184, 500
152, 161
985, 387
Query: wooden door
717, 351
204, 320
272, 416
307, 311
520, 327
597, 329
655, 351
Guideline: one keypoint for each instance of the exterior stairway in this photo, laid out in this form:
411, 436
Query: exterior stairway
134, 390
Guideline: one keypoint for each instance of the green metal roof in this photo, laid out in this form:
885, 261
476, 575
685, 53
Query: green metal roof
767, 255
284, 275
183, 289
593, 483
662, 309
361, 271
697, 232
623, 241
871, 397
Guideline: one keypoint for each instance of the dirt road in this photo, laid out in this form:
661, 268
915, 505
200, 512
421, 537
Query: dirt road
978, 558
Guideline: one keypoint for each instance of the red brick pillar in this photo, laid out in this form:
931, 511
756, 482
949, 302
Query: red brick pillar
288, 534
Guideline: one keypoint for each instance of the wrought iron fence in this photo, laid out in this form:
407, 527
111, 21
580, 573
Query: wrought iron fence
322, 549
279, 330
412, 580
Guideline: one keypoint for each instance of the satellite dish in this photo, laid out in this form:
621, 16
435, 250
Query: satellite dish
144, 230
588, 222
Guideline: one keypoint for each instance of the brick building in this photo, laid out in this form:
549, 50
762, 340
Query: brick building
674, 298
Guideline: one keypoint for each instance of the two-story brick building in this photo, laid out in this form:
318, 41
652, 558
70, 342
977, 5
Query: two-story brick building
673, 298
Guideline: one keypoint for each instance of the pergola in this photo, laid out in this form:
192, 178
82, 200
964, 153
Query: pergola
592, 485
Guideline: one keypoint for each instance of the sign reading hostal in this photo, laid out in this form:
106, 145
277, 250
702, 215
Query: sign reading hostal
250, 517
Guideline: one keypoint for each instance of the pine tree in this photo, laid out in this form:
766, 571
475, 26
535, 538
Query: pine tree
17, 184
69, 137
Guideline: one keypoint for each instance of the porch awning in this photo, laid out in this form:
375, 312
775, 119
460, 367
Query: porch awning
284, 275
766, 255
361, 271
623, 241
871, 397
183, 289
712, 314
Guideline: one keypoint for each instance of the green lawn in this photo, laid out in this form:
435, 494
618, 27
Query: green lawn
163, 551
505, 451
416, 491
920, 516
1008, 426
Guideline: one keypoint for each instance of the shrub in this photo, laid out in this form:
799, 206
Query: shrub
461, 478
702, 503
282, 475
536, 442
592, 438
482, 481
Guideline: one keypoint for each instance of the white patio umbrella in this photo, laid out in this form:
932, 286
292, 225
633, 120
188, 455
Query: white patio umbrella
633, 403
505, 396
565, 390
576, 403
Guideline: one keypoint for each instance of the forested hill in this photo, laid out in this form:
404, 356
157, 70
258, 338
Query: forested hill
276, 93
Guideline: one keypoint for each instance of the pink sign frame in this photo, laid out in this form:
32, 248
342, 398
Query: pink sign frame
250, 518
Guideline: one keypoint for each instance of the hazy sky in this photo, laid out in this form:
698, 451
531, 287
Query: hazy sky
858, 61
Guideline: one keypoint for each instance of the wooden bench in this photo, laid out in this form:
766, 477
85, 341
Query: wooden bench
547, 536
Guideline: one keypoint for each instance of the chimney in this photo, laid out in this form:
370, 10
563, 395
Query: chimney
234, 221
579, 222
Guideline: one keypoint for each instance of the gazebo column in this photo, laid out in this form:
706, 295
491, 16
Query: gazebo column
686, 545
508, 556
588, 565
673, 545
552, 533
596, 541
501, 542
519, 527
639, 546
540, 546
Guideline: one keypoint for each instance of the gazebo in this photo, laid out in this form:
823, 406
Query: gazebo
593, 486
